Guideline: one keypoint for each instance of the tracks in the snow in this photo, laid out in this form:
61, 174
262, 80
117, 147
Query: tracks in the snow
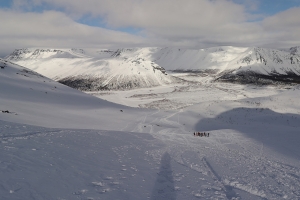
226, 160
24, 135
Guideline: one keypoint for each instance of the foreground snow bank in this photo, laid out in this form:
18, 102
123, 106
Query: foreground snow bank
42, 163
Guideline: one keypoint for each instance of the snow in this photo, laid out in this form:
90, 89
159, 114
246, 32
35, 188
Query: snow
65, 144
110, 71
37, 100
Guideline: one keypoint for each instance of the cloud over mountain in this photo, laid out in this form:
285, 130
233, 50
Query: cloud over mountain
188, 23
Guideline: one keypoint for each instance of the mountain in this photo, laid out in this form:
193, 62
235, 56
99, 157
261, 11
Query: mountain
235, 64
264, 66
120, 69
147, 67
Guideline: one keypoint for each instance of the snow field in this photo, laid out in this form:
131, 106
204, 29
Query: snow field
252, 151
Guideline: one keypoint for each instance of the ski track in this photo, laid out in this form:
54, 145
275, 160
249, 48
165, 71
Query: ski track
234, 183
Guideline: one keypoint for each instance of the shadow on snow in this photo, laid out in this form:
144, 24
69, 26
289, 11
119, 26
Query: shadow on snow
280, 131
164, 185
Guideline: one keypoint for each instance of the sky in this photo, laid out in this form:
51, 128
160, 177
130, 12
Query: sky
98, 24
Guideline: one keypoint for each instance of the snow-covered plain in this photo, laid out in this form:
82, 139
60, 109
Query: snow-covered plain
59, 143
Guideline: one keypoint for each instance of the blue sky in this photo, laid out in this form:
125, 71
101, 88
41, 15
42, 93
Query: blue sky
272, 7
130, 23
5, 3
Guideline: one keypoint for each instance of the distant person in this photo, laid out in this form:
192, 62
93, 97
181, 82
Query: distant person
207, 134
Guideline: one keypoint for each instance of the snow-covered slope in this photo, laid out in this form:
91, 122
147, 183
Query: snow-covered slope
34, 99
263, 66
263, 60
243, 65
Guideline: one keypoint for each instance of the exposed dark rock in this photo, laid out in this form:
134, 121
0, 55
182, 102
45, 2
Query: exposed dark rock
83, 84
118, 52
89, 83
250, 77
195, 71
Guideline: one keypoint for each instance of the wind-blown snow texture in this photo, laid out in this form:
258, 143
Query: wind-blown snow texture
146, 67
95, 149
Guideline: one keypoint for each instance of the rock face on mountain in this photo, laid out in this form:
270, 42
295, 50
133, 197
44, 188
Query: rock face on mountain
147, 67
264, 66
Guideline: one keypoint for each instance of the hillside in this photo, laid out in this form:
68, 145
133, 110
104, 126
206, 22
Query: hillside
107, 71
34, 99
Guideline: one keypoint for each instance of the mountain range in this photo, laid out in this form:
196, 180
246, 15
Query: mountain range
122, 69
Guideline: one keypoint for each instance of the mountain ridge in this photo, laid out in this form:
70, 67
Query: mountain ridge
129, 68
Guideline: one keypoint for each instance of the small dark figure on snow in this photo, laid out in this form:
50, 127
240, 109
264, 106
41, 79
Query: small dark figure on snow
207, 134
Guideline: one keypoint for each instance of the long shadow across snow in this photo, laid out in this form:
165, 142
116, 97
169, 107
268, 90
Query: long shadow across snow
164, 185
280, 131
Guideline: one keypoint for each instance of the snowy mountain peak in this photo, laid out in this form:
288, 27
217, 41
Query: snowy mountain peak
18, 54
45, 53
119, 52
80, 51
295, 50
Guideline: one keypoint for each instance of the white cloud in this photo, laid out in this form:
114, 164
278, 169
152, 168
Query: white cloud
55, 29
154, 13
284, 28
186, 23
169, 21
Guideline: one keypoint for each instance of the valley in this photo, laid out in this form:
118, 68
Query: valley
139, 143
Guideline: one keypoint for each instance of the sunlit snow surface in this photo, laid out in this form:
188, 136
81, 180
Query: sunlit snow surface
253, 151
